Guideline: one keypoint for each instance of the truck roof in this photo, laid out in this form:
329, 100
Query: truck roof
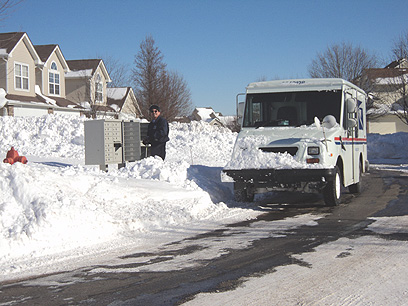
299, 85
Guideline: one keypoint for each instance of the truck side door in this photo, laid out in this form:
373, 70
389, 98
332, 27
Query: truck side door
351, 169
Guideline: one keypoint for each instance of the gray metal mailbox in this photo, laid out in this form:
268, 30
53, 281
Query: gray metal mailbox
110, 141
131, 140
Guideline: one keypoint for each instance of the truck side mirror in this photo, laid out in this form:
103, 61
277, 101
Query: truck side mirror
351, 105
351, 123
240, 112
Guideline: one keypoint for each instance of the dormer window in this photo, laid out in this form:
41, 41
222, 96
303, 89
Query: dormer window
98, 89
54, 80
21, 76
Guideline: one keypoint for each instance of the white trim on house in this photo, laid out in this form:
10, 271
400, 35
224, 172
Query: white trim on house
26, 40
21, 76
55, 81
23, 109
98, 89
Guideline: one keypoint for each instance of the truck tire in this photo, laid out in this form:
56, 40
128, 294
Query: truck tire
243, 193
356, 188
332, 191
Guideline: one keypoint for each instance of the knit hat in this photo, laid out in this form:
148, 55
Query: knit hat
154, 107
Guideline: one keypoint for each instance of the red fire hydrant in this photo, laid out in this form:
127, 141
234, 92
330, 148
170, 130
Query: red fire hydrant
13, 157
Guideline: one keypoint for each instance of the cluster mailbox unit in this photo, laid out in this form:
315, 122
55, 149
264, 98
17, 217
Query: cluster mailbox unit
110, 141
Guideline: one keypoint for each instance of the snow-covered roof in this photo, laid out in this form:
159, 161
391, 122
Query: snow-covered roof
298, 85
86, 65
117, 93
402, 79
79, 73
205, 113
3, 52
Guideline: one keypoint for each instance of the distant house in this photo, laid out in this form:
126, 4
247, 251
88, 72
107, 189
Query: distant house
86, 84
384, 87
123, 100
51, 78
30, 78
207, 114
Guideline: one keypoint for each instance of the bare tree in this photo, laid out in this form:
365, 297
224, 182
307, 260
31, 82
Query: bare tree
400, 47
398, 82
341, 61
6, 7
262, 78
118, 72
155, 85
400, 86
177, 96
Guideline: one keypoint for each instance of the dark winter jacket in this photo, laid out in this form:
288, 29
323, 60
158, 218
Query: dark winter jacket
158, 131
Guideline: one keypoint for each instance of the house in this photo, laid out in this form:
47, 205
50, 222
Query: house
86, 84
208, 115
386, 88
31, 78
123, 101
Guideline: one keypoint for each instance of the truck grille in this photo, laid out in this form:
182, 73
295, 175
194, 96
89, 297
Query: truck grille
291, 150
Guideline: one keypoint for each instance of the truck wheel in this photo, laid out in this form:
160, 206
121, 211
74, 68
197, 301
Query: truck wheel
356, 188
243, 193
332, 191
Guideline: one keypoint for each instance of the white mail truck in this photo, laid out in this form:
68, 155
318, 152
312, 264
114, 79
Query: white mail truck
305, 134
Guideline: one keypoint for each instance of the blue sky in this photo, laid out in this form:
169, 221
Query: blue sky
218, 46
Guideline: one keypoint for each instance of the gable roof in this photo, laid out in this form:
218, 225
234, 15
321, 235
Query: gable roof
45, 51
84, 64
8, 41
401, 63
380, 73
87, 65
206, 114
118, 95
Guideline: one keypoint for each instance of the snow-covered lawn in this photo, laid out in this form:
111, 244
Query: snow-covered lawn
57, 213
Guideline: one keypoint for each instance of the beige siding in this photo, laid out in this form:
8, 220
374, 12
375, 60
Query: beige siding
21, 55
47, 69
82, 89
93, 87
3, 75
76, 90
128, 106
387, 124
39, 78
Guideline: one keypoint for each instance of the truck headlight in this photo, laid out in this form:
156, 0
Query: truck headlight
313, 150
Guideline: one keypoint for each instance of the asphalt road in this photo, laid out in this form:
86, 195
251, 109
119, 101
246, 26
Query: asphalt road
384, 194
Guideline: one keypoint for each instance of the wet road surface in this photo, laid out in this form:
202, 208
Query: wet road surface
129, 281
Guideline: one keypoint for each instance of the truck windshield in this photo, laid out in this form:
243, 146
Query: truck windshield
290, 108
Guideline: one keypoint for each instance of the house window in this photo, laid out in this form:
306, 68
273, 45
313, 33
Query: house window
54, 80
98, 90
21, 76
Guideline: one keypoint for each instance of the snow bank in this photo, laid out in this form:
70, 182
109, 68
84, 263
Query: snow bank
389, 148
248, 156
46, 136
199, 143
55, 208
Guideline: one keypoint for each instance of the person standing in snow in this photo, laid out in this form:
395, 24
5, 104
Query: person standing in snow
157, 133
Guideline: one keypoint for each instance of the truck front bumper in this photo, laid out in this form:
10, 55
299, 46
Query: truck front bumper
274, 177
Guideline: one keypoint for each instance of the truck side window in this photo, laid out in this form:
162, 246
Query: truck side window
257, 112
253, 113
